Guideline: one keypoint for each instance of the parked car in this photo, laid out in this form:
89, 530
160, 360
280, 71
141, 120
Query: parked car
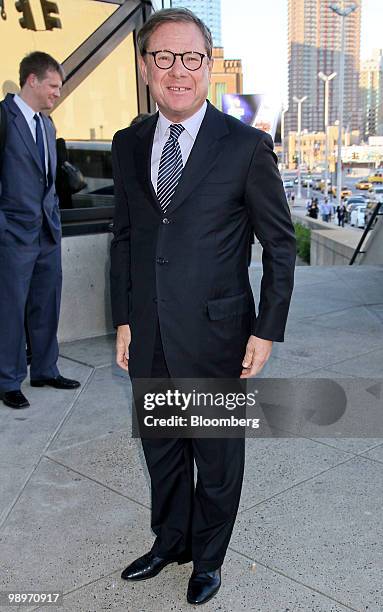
377, 193
363, 184
357, 216
288, 184
351, 203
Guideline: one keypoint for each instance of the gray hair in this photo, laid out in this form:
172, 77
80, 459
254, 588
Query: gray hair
175, 15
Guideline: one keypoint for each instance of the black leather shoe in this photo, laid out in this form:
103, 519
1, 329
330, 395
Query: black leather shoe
58, 383
203, 586
15, 399
148, 566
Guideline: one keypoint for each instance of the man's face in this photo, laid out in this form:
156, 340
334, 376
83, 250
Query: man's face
46, 91
178, 91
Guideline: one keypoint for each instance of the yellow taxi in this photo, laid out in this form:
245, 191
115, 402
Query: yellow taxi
363, 185
345, 193
375, 178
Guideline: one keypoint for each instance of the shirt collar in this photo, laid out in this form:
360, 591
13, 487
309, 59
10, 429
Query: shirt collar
27, 111
191, 125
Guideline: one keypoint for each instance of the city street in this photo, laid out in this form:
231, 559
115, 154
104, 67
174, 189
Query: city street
308, 193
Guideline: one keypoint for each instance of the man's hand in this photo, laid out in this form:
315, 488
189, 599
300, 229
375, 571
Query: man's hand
257, 353
122, 346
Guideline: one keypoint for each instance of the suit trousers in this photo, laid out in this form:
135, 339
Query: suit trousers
193, 521
30, 281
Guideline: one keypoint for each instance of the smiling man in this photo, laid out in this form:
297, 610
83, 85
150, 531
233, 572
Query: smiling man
30, 233
191, 185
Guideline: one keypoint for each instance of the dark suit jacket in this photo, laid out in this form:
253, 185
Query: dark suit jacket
24, 196
188, 268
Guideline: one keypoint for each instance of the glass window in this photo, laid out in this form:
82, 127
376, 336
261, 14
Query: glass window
79, 19
104, 102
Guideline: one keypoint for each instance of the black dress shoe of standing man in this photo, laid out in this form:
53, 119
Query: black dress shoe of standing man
203, 586
58, 383
148, 566
15, 399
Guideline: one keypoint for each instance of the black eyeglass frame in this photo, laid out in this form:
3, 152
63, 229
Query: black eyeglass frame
181, 55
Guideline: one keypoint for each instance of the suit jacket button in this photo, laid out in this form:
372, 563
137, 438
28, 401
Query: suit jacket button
160, 260
165, 220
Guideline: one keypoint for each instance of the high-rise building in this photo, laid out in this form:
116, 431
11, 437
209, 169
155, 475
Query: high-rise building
314, 44
371, 88
207, 10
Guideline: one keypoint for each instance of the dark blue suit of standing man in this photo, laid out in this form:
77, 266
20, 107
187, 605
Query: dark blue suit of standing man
30, 233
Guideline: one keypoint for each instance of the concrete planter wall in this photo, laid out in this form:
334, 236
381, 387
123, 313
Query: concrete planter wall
85, 303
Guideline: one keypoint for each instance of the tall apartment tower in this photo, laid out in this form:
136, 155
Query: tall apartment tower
371, 89
314, 43
207, 10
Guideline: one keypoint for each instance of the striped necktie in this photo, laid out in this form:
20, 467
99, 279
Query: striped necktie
171, 166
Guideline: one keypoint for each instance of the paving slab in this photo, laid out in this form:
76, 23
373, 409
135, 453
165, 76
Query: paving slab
354, 446
26, 433
365, 281
67, 530
274, 465
103, 407
377, 310
99, 351
319, 299
375, 453
326, 532
283, 368
242, 588
116, 460
318, 346
359, 319
369, 365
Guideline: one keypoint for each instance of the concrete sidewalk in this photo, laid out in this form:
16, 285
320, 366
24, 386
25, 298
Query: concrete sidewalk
75, 504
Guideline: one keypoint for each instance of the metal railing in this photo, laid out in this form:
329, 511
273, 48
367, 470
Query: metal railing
371, 221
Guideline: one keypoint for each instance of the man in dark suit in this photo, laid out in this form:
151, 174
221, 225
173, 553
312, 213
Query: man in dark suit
191, 184
30, 233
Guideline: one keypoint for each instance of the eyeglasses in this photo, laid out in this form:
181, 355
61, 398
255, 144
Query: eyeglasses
192, 60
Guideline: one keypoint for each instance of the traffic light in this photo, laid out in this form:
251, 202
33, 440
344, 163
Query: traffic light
26, 21
50, 12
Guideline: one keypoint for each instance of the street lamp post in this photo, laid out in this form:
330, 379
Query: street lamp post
343, 13
326, 79
284, 111
299, 101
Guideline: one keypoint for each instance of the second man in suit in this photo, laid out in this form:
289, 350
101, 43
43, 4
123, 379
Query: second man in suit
30, 233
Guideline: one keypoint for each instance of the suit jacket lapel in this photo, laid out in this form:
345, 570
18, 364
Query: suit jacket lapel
143, 157
23, 129
203, 155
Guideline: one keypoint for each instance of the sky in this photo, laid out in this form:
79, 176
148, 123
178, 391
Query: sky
256, 32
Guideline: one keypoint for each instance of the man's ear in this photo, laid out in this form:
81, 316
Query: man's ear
32, 80
143, 69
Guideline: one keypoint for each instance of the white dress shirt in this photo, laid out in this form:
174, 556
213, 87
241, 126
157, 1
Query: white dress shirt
29, 114
186, 139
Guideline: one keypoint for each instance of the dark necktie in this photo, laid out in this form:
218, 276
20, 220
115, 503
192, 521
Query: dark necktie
40, 141
170, 168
